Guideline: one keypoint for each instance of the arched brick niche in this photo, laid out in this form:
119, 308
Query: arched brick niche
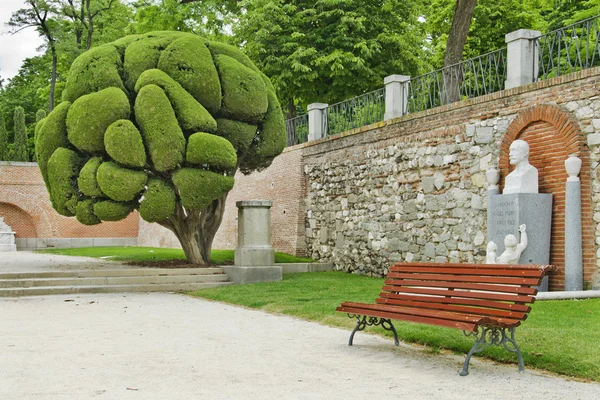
19, 220
552, 135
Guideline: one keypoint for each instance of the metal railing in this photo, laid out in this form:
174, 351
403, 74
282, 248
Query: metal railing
569, 49
470, 78
297, 130
355, 112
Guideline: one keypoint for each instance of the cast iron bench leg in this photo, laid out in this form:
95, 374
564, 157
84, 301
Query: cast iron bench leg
364, 321
493, 337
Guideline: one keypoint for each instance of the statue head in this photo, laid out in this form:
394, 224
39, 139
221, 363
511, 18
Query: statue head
491, 246
519, 151
510, 241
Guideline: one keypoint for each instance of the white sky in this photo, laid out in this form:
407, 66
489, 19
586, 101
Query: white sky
15, 48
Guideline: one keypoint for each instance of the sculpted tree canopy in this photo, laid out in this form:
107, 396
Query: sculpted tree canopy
158, 122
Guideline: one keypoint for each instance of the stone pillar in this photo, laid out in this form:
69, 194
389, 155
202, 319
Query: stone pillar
521, 60
573, 229
492, 176
396, 96
317, 121
254, 256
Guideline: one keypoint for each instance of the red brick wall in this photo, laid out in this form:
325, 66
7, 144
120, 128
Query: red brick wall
22, 192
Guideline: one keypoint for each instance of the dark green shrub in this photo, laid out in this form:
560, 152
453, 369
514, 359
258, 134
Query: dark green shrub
3, 140
63, 168
158, 201
211, 150
191, 115
96, 69
161, 132
52, 135
91, 114
198, 188
20, 134
240, 134
230, 51
108, 210
85, 212
188, 61
118, 183
87, 182
123, 143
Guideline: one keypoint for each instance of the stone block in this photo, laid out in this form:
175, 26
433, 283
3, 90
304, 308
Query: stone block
484, 135
21, 243
253, 274
593, 139
255, 255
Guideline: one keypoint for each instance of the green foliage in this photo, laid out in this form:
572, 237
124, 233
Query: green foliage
211, 150
123, 142
198, 188
40, 115
63, 168
94, 70
188, 61
108, 210
191, 115
87, 182
52, 135
20, 148
161, 132
3, 139
158, 202
90, 116
118, 183
85, 212
240, 134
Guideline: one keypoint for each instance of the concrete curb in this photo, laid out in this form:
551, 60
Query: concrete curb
580, 294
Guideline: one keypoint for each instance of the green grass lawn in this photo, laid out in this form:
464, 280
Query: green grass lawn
158, 254
558, 336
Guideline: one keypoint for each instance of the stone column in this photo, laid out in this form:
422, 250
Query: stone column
492, 176
254, 256
521, 60
396, 96
317, 121
573, 233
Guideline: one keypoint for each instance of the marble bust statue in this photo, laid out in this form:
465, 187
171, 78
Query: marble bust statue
524, 179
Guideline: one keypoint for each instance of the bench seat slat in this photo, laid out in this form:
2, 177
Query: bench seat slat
460, 293
450, 316
474, 279
457, 285
463, 301
488, 312
484, 272
465, 326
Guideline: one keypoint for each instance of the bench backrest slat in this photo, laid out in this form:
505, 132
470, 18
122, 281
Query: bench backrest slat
458, 301
465, 278
460, 293
458, 285
470, 272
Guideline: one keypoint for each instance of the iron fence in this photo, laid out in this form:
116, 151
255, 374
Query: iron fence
470, 78
569, 49
297, 130
355, 112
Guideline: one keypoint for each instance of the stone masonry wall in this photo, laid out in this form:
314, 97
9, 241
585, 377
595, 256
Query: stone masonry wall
414, 188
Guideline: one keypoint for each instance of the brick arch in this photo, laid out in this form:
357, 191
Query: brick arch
29, 205
19, 220
553, 135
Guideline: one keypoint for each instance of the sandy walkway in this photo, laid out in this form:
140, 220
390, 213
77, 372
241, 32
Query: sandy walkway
167, 346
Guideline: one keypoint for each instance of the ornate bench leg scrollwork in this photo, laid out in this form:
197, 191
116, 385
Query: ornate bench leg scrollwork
493, 337
364, 321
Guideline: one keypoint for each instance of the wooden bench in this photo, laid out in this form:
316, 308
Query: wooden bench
486, 301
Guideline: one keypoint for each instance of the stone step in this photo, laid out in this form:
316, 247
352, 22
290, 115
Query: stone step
112, 272
61, 290
111, 280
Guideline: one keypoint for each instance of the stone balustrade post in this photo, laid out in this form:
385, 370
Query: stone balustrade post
573, 228
521, 59
396, 96
317, 121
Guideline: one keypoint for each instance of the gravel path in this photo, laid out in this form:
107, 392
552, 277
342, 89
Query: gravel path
26, 261
168, 346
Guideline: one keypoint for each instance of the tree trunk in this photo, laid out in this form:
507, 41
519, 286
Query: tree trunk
455, 45
196, 230
53, 78
90, 26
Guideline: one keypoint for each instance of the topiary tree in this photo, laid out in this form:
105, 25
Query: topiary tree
158, 122
3, 140
20, 132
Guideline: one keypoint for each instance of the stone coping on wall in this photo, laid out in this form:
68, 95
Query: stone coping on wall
19, 164
25, 244
559, 80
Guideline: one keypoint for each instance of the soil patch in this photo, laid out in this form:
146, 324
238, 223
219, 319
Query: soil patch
172, 264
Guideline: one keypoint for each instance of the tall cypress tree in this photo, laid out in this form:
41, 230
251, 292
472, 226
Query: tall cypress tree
21, 153
3, 140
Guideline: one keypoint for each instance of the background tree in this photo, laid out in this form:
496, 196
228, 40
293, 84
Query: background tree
3, 140
20, 146
83, 14
158, 122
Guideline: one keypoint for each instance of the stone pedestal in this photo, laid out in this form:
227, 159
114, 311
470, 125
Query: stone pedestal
506, 212
254, 256
7, 237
